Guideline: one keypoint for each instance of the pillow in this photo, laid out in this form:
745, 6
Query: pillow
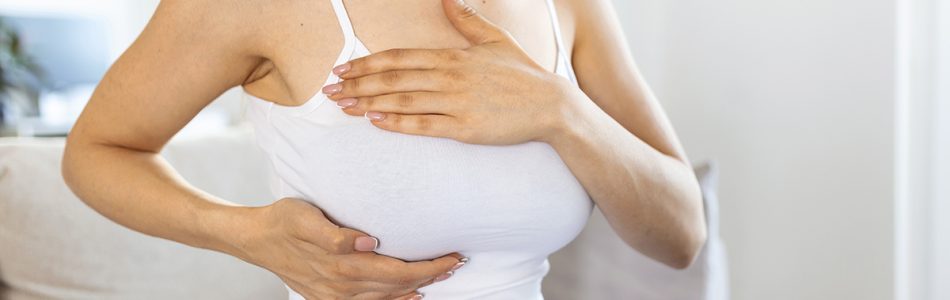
599, 265
53, 246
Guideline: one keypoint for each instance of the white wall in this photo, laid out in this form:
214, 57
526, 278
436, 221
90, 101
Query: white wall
923, 256
941, 276
795, 99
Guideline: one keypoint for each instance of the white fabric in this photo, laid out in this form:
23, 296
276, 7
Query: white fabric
505, 207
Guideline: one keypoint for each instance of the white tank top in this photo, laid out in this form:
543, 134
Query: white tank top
505, 207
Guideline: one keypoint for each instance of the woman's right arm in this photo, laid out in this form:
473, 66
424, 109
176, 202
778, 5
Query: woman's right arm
188, 55
180, 63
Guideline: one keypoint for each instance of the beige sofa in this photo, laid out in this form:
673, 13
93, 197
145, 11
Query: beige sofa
52, 246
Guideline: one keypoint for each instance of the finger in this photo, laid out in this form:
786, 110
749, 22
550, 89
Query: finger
385, 269
411, 296
398, 59
460, 261
374, 295
402, 103
386, 83
428, 125
426, 272
377, 290
345, 241
319, 230
473, 25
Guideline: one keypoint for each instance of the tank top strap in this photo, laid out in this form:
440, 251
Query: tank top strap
559, 40
349, 36
344, 19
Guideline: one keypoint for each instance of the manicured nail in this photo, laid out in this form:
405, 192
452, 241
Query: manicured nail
444, 276
375, 116
463, 259
332, 89
365, 243
339, 70
457, 266
348, 102
418, 296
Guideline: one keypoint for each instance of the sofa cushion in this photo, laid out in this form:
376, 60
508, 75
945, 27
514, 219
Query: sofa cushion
53, 246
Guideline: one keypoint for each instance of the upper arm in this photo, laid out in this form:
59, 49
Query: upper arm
607, 73
189, 53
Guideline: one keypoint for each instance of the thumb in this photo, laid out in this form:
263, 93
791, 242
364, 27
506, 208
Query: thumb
317, 228
346, 241
471, 24
360, 241
341, 240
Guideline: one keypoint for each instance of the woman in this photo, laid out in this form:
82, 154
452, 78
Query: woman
469, 151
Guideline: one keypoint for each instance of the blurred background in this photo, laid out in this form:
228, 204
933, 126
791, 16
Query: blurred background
829, 120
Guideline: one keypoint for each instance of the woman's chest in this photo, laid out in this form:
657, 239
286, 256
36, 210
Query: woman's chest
424, 197
301, 41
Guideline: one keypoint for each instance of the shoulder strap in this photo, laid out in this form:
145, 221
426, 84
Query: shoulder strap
344, 19
349, 37
561, 53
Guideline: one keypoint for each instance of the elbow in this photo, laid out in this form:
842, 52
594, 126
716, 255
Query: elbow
685, 253
76, 156
68, 165
692, 234
687, 241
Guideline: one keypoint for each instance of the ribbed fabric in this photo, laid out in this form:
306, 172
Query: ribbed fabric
505, 207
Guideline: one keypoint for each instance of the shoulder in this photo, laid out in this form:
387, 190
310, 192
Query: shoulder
586, 12
203, 21
249, 25
203, 12
595, 21
585, 19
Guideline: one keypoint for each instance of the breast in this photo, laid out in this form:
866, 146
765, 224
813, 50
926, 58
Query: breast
424, 197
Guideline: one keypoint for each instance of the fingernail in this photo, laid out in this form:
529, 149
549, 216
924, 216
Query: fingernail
348, 102
444, 276
418, 296
332, 89
375, 116
365, 243
457, 266
338, 70
463, 259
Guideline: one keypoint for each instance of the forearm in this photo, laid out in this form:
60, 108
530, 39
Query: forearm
139, 190
651, 200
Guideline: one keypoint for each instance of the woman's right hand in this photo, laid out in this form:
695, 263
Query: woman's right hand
321, 260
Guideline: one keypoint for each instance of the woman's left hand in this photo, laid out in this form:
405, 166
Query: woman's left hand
491, 93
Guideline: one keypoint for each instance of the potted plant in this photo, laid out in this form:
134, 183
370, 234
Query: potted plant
19, 77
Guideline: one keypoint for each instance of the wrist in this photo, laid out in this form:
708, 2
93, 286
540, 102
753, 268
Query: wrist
229, 229
570, 119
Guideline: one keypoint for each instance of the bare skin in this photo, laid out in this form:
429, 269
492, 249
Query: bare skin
611, 132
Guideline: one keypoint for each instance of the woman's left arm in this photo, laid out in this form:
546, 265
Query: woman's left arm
611, 132
624, 149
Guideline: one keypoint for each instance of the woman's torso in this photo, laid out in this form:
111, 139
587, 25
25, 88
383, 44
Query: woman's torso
505, 207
